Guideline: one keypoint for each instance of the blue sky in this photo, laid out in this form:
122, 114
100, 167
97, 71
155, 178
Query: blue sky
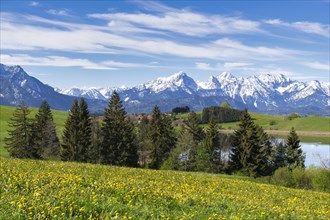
114, 43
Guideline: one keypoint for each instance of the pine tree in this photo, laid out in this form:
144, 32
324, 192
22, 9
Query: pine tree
131, 146
44, 132
118, 145
20, 142
212, 144
248, 152
143, 141
69, 147
96, 140
162, 138
83, 152
192, 126
52, 142
183, 156
203, 162
279, 156
295, 157
266, 163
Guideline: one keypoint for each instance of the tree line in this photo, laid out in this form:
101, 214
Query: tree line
152, 143
220, 114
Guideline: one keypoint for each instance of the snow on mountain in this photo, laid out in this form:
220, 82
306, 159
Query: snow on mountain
229, 84
326, 87
273, 94
212, 83
291, 88
310, 89
274, 81
17, 86
264, 92
88, 93
178, 81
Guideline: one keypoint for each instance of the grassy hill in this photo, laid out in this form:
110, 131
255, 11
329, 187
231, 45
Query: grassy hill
44, 189
6, 113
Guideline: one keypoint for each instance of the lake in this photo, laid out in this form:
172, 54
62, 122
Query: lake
315, 153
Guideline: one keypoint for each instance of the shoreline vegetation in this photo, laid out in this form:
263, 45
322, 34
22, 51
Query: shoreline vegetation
283, 132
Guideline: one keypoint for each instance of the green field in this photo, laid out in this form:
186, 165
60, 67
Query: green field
58, 190
6, 113
311, 123
280, 123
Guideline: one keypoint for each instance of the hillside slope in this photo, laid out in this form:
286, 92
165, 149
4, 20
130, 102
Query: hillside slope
40, 189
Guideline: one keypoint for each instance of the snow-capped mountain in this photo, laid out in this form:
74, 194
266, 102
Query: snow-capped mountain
265, 93
89, 93
17, 86
272, 94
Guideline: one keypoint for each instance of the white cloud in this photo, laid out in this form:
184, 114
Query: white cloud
34, 4
303, 26
232, 46
236, 65
183, 22
318, 66
204, 66
63, 12
227, 66
81, 38
60, 61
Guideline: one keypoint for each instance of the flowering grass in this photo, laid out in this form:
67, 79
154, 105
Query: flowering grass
57, 190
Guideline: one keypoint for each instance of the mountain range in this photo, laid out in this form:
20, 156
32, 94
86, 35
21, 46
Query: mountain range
271, 94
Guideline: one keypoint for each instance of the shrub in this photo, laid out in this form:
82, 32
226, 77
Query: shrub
272, 122
317, 179
292, 116
301, 178
283, 177
321, 179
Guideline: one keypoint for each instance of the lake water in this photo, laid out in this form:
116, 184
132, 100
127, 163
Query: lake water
315, 153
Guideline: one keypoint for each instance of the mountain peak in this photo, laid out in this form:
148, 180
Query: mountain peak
173, 83
177, 76
226, 75
13, 69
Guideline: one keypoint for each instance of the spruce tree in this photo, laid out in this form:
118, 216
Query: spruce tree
248, 154
84, 151
183, 156
69, 147
45, 132
118, 146
203, 162
193, 127
295, 157
131, 146
96, 140
20, 143
279, 155
143, 141
266, 163
162, 138
212, 144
